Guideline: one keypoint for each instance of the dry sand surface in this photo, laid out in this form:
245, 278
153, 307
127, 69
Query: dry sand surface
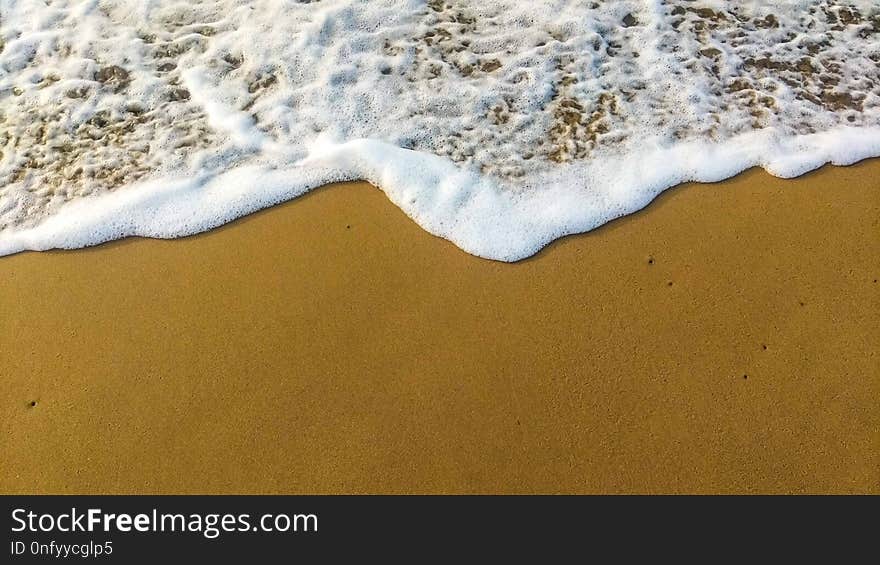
725, 339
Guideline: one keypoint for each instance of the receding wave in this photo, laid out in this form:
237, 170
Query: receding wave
500, 125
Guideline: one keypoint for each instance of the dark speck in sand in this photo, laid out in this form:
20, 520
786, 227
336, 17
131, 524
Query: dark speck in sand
32, 404
745, 377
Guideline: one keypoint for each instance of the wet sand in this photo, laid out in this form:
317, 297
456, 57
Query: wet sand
724, 340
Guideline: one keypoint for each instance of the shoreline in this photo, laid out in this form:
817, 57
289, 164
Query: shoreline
450, 202
722, 339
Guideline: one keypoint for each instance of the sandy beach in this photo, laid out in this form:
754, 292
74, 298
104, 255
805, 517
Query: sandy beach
723, 340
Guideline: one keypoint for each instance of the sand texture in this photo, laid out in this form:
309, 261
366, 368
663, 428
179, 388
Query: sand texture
725, 340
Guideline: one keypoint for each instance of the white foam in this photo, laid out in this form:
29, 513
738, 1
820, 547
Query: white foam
498, 125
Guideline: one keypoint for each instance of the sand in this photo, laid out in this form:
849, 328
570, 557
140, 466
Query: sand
724, 340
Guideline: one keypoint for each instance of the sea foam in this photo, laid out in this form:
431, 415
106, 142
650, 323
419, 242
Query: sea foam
499, 125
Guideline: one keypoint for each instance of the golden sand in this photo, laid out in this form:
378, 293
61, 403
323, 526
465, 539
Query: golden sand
723, 340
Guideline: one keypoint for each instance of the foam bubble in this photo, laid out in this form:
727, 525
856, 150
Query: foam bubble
499, 125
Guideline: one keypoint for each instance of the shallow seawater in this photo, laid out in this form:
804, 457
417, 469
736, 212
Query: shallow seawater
500, 125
